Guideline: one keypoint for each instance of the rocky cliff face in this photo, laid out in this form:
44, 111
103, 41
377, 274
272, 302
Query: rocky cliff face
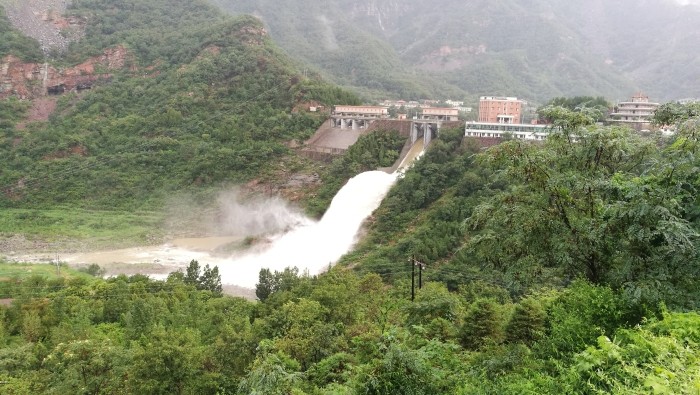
33, 80
43, 20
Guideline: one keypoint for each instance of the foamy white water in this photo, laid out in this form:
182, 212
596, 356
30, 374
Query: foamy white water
310, 246
314, 247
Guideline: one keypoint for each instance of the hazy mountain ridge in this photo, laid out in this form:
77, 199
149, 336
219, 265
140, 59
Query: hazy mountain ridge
653, 42
534, 48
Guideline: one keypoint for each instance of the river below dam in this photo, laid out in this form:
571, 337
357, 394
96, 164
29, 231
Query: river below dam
311, 246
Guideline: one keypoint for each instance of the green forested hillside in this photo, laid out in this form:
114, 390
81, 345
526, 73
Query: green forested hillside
532, 49
660, 61
211, 101
329, 38
340, 333
592, 202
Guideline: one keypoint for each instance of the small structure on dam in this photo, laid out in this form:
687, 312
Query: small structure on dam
347, 123
427, 124
357, 117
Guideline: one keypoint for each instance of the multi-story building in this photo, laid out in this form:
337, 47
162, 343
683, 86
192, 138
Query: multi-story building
440, 113
500, 110
454, 103
362, 111
502, 130
636, 113
357, 117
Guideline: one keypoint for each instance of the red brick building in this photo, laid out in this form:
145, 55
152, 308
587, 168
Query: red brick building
500, 110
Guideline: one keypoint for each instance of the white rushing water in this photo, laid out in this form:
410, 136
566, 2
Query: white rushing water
313, 247
299, 242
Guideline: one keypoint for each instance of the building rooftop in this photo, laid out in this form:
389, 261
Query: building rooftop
503, 98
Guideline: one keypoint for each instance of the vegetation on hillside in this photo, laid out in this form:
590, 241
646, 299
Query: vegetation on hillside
12, 111
212, 102
339, 333
423, 213
158, 32
537, 50
343, 49
597, 107
591, 202
566, 267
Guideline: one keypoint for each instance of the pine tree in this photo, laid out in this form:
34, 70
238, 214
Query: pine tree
481, 325
526, 325
210, 280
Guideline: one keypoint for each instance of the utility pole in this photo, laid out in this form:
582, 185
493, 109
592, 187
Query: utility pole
421, 267
412, 260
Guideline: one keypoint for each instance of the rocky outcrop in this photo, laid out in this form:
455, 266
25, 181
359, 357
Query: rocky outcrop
253, 35
32, 80
43, 21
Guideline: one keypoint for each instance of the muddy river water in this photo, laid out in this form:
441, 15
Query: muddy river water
311, 246
160, 259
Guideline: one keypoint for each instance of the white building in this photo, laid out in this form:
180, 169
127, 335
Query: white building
501, 130
636, 113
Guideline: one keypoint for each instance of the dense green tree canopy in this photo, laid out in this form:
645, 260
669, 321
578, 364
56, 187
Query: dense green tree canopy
209, 101
597, 105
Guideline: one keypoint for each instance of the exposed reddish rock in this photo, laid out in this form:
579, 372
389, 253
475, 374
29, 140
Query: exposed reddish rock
41, 109
71, 22
33, 80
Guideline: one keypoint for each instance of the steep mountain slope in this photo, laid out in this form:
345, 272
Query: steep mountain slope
205, 99
536, 48
330, 38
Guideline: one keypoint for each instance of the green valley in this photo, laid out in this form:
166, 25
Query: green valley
493, 265
215, 106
